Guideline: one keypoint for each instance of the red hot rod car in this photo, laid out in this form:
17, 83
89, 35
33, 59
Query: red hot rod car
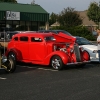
46, 49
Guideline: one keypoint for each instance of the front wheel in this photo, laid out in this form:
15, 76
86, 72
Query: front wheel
56, 63
10, 65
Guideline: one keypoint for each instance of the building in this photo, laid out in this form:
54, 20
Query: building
23, 17
55, 24
86, 22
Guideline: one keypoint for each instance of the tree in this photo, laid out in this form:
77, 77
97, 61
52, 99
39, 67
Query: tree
14, 1
53, 18
69, 17
94, 12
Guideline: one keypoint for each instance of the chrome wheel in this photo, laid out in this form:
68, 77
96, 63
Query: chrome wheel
10, 65
56, 63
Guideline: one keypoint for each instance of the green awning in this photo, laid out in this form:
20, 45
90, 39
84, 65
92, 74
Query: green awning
27, 11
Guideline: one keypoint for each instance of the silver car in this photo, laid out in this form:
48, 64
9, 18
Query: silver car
89, 47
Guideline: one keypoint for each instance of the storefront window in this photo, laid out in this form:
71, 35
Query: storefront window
28, 26
34, 26
9, 24
16, 25
22, 25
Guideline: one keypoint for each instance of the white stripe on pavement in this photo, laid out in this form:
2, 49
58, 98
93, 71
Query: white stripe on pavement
1, 78
47, 69
38, 68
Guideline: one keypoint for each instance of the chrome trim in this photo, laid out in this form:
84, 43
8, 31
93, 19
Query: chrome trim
76, 63
77, 52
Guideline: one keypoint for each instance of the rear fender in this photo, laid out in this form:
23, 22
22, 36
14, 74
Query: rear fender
17, 53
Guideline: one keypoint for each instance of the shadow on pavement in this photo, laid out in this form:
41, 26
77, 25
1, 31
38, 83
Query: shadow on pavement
23, 67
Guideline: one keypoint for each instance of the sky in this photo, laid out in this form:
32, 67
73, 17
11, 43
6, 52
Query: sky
56, 6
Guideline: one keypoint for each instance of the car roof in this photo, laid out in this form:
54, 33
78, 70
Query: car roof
33, 34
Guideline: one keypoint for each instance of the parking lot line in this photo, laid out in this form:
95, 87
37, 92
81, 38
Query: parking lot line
1, 78
47, 69
38, 68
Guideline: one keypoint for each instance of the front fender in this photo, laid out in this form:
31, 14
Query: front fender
61, 54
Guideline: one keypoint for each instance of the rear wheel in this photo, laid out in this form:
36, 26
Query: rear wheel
56, 63
10, 65
11, 54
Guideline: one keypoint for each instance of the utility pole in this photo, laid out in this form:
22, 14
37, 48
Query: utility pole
99, 14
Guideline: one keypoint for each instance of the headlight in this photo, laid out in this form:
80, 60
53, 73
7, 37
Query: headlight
95, 51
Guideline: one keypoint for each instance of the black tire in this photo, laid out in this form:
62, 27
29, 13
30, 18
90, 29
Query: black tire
10, 64
12, 55
56, 63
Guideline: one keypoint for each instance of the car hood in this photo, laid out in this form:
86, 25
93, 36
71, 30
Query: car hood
61, 37
90, 47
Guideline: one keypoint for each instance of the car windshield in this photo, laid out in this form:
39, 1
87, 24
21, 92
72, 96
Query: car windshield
51, 38
83, 41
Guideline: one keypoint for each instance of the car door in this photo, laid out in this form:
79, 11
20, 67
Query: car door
37, 49
24, 47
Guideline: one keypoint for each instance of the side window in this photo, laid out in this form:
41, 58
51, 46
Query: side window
36, 39
16, 39
24, 38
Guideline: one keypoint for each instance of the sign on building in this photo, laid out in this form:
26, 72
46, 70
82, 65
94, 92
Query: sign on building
10, 15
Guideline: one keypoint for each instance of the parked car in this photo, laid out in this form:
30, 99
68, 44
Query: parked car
89, 47
55, 31
5, 37
82, 42
46, 49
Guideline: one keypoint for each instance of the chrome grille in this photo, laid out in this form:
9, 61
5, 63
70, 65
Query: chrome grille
77, 52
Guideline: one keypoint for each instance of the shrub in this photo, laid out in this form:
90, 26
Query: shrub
81, 31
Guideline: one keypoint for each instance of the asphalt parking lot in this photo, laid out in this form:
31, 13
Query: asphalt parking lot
33, 82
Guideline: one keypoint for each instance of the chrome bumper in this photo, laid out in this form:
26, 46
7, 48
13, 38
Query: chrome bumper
78, 63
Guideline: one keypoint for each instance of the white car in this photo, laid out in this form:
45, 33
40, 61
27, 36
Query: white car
89, 47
